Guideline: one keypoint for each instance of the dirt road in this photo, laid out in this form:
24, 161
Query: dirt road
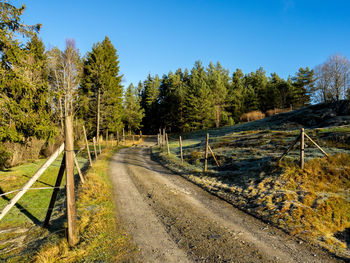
173, 220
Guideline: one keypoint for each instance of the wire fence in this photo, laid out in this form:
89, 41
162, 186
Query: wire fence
243, 147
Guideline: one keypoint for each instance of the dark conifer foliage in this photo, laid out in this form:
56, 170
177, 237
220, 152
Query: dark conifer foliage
210, 97
23, 79
101, 90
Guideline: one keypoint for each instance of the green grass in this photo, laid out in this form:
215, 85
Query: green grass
34, 203
102, 239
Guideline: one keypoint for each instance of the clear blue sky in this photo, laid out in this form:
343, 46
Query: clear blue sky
158, 36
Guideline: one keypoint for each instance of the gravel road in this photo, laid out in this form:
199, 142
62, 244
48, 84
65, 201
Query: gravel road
173, 220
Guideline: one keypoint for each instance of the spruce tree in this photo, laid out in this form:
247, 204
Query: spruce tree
133, 113
199, 102
303, 83
23, 79
150, 103
101, 90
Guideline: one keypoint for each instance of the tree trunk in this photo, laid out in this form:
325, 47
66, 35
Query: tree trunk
217, 117
98, 114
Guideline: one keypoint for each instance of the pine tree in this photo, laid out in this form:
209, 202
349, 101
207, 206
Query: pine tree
235, 95
133, 113
23, 79
150, 103
303, 83
199, 103
101, 90
218, 81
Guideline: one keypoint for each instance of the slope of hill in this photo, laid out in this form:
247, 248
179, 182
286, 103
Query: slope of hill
313, 203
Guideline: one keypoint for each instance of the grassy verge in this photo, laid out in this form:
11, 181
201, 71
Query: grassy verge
101, 237
22, 237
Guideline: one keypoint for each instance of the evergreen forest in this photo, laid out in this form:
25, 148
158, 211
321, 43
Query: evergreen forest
39, 86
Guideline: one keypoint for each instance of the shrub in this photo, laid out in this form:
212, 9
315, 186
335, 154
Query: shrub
5, 156
194, 157
252, 116
276, 111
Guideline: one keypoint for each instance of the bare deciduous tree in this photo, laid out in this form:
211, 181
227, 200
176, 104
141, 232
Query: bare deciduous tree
333, 79
65, 69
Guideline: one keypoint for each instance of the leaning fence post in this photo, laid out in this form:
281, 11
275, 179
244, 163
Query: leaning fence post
181, 154
167, 143
87, 146
212, 153
206, 153
78, 169
55, 191
319, 147
302, 147
31, 181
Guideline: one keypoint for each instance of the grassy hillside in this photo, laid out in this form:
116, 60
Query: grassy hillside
313, 203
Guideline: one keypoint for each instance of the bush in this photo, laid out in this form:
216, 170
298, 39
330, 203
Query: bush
252, 116
5, 156
195, 157
276, 111
20, 152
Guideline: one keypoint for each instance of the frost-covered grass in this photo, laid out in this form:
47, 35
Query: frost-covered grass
313, 203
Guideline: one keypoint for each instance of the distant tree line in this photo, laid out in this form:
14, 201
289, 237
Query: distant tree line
38, 87
206, 97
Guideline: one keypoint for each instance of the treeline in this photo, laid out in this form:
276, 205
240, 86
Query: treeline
39, 87
206, 97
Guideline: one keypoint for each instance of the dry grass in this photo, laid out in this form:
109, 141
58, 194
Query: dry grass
101, 237
313, 203
276, 111
252, 116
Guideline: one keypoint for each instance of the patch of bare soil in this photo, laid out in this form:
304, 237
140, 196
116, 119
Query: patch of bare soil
173, 220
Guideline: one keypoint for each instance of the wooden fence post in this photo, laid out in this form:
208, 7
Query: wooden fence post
69, 151
117, 138
133, 140
302, 147
289, 148
78, 169
206, 153
55, 191
319, 147
163, 138
181, 154
167, 143
87, 146
212, 153
140, 134
94, 140
99, 144
123, 135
